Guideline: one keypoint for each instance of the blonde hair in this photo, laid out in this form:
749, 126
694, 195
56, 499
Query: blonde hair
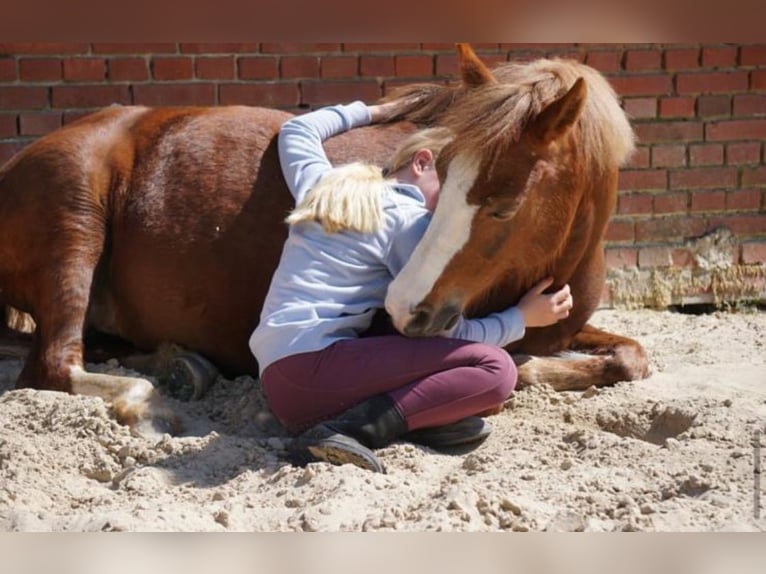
348, 197
434, 139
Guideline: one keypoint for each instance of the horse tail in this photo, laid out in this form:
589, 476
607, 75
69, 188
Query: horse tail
596, 359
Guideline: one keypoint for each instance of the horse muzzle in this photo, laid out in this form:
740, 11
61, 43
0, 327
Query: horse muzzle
426, 321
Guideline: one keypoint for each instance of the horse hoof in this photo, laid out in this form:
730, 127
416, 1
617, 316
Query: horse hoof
189, 377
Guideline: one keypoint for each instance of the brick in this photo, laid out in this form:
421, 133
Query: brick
214, 68
260, 68
642, 85
669, 132
494, 60
8, 72
758, 80
175, 94
719, 57
642, 179
40, 69
639, 158
172, 68
634, 204
447, 65
23, 97
135, 48
674, 202
377, 66
708, 201
270, 95
669, 228
643, 60
736, 130
385, 47
339, 66
677, 107
619, 231
712, 82
683, 59
38, 124
299, 67
8, 150
703, 178
298, 48
91, 96
219, 48
743, 200
641, 107
654, 257
70, 116
621, 257
324, 93
754, 176
743, 225
706, 154
668, 156
127, 69
19, 48
8, 126
85, 69
743, 153
712, 106
753, 253
750, 105
605, 62
752, 56
681, 257
414, 66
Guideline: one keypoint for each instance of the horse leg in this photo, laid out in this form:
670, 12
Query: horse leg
594, 358
61, 286
183, 374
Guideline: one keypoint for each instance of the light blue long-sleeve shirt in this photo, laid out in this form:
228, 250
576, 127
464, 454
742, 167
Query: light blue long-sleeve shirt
327, 287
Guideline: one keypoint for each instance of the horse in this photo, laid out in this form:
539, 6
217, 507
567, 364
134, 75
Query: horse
162, 225
529, 184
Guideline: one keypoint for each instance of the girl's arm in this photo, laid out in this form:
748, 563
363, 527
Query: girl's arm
535, 309
301, 154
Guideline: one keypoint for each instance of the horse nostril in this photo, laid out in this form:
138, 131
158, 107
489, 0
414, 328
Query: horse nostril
421, 318
451, 322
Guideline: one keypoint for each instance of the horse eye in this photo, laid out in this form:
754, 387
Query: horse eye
501, 215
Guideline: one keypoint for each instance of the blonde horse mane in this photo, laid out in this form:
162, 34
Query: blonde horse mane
497, 113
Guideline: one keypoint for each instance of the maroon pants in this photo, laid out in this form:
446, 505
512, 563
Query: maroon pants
433, 381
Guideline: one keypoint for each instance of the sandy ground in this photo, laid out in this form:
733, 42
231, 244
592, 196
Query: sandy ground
675, 452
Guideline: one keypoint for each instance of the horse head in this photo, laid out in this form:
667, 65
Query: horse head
524, 160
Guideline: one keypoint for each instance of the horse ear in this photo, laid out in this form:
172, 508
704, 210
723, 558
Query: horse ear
472, 70
560, 115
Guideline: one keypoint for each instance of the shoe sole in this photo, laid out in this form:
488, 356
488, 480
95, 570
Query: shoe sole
338, 455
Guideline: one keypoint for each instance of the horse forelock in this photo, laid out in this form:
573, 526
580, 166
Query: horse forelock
494, 116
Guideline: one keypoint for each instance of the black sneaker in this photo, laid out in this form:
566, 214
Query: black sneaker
325, 444
466, 431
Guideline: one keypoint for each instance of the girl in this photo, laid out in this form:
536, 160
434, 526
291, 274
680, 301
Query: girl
351, 232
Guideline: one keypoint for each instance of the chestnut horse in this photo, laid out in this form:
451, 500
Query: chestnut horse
165, 225
529, 183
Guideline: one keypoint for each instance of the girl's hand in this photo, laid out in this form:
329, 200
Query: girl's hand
387, 110
541, 310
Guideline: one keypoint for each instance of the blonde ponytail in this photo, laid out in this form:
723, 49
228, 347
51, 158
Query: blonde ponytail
347, 198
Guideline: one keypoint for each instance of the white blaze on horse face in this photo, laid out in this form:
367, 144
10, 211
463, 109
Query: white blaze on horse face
447, 233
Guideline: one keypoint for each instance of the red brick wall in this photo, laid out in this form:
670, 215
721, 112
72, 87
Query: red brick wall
699, 111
